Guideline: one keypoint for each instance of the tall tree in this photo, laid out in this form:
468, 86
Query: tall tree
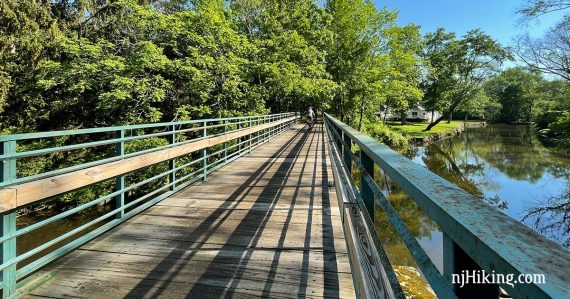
403, 71
518, 91
288, 68
27, 29
469, 61
438, 79
536, 8
357, 39
549, 54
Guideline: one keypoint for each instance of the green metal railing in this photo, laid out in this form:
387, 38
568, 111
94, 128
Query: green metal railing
476, 236
25, 158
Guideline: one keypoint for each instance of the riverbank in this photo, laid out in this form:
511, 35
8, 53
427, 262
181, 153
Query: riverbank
415, 134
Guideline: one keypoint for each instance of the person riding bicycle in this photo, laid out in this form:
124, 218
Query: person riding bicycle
312, 117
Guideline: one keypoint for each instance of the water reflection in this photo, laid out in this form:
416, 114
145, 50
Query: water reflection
506, 166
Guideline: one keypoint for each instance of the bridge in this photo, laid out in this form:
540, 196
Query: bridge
254, 206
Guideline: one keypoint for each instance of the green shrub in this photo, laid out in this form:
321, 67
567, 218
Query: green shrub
561, 129
384, 134
547, 118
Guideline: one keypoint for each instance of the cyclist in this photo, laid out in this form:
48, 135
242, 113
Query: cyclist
312, 117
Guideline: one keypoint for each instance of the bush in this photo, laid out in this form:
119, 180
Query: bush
384, 134
547, 118
561, 129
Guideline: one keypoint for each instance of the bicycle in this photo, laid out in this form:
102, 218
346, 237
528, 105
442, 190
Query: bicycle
310, 123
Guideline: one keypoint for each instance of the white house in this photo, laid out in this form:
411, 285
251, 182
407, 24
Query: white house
418, 113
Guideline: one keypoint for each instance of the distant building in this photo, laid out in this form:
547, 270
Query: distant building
418, 113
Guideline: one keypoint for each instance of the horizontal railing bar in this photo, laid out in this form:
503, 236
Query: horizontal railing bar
442, 288
92, 164
495, 241
40, 135
28, 193
376, 281
71, 147
94, 202
261, 134
62, 237
47, 151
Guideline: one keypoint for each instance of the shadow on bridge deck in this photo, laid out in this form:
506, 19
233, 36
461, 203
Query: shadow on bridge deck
266, 225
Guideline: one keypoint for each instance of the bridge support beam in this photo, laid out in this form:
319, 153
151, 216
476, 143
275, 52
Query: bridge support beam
8, 224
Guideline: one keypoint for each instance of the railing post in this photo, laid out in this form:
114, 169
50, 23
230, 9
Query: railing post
365, 189
250, 135
266, 132
172, 162
120, 180
239, 139
274, 129
225, 143
205, 154
347, 152
455, 261
8, 173
338, 139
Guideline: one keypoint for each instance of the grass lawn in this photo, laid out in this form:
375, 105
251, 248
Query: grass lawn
413, 129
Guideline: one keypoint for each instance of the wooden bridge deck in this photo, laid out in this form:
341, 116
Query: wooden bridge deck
267, 225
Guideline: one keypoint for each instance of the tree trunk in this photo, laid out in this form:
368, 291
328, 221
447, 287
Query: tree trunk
403, 118
433, 124
466, 116
432, 115
450, 116
361, 114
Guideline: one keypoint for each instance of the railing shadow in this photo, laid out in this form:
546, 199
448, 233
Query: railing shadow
248, 231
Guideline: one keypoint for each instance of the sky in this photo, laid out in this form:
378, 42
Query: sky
497, 18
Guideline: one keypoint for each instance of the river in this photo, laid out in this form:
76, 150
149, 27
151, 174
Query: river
506, 166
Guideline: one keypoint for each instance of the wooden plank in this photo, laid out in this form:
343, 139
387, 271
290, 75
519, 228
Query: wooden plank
236, 235
8, 198
78, 279
31, 192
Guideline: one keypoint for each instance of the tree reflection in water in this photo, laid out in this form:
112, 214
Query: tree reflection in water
506, 166
551, 218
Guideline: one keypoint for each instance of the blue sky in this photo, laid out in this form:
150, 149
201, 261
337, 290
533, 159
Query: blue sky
497, 18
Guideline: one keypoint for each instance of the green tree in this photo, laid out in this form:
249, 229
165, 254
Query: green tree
438, 77
467, 63
288, 71
402, 83
518, 92
27, 29
357, 28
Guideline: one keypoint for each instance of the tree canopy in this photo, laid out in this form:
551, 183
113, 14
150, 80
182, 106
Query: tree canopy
81, 63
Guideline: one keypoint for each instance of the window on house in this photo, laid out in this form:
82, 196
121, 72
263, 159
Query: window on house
414, 114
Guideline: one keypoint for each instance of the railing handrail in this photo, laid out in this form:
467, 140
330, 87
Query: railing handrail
24, 194
372, 274
59, 133
218, 141
494, 241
